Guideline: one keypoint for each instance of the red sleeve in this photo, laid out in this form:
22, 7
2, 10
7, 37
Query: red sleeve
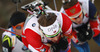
94, 25
67, 29
35, 40
67, 24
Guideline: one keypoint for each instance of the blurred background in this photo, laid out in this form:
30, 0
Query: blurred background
7, 7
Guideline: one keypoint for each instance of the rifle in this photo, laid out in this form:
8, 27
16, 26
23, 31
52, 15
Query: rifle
35, 7
12, 32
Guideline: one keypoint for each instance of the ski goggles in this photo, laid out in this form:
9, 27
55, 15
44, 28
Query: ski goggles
74, 18
18, 26
51, 36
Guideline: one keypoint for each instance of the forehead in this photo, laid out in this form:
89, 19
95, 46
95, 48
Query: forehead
74, 10
76, 15
51, 29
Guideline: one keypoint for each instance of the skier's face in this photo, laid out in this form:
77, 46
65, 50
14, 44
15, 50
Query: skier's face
19, 28
78, 20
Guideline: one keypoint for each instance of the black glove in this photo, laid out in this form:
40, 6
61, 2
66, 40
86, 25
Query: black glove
54, 47
84, 33
82, 36
90, 35
63, 44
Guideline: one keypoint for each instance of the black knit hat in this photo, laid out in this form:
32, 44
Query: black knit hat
17, 17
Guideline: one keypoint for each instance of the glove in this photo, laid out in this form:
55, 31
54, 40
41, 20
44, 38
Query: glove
85, 35
63, 44
90, 35
82, 36
84, 32
54, 47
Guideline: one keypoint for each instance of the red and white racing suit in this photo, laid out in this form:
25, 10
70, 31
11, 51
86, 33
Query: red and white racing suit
34, 38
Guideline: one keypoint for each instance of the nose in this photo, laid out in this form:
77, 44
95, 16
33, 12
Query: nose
56, 39
78, 19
